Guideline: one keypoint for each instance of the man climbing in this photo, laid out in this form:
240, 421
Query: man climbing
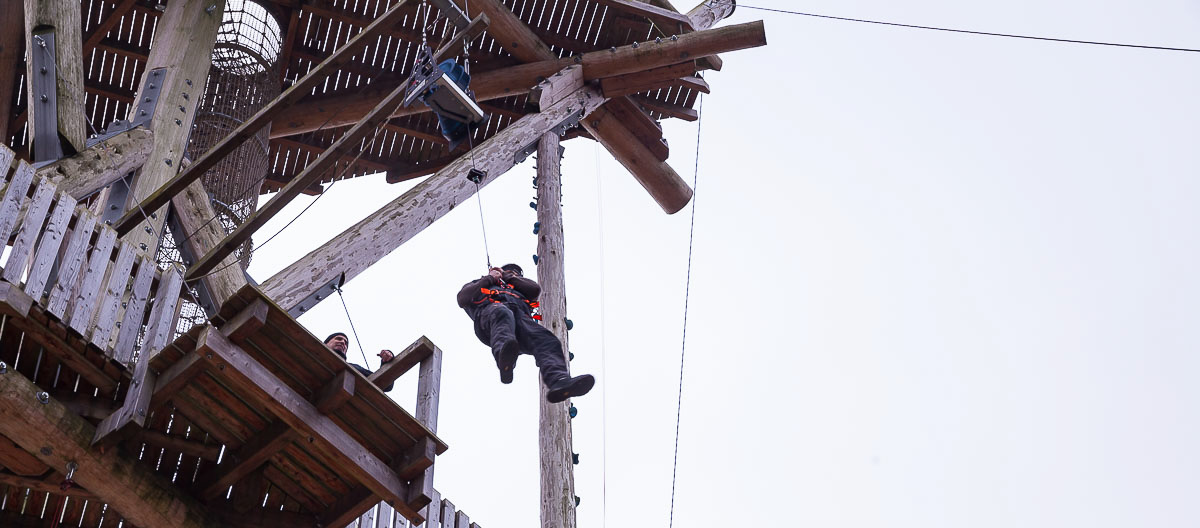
338, 342
501, 305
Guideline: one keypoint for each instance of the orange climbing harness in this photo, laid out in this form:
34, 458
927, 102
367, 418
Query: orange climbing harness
490, 295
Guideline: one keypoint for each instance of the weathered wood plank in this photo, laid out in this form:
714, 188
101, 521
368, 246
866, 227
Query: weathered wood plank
101, 164
72, 261
13, 301
31, 227
429, 389
403, 362
360, 246
14, 195
557, 86
57, 437
118, 277
255, 380
47, 252
193, 208
135, 308
6, 154
83, 303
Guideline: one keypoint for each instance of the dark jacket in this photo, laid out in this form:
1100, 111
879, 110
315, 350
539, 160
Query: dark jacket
517, 292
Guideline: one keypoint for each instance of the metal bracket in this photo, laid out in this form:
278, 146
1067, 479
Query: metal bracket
179, 234
321, 294
145, 108
561, 129
118, 195
44, 85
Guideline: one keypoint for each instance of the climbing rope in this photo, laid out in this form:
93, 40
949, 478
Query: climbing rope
352, 329
686, 293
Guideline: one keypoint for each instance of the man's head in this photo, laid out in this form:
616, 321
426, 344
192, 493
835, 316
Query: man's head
511, 270
338, 342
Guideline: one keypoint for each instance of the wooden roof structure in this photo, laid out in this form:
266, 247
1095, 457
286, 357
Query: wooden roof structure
109, 412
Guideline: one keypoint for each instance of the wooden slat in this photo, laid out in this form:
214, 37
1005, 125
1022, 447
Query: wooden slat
6, 156
118, 277
135, 308
47, 251
14, 194
72, 261
245, 459
31, 227
83, 304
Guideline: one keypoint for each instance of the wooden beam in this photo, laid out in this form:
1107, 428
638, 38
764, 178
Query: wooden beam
245, 459
58, 437
209, 452
403, 362
101, 164
62, 18
640, 125
12, 53
251, 378
44, 485
193, 208
336, 393
669, 20
97, 33
667, 109
310, 175
348, 108
167, 188
658, 178
632, 83
557, 86
709, 12
363, 244
19, 461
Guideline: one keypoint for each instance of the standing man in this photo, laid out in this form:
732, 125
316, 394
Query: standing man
338, 342
501, 304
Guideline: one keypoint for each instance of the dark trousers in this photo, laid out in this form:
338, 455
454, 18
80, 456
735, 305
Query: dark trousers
498, 322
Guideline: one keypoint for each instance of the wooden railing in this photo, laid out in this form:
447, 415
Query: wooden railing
74, 268
440, 513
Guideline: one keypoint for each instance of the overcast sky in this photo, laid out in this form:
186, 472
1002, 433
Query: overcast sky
940, 280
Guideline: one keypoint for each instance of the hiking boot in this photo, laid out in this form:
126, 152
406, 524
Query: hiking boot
506, 359
567, 387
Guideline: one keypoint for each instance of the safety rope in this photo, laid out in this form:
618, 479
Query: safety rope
686, 294
352, 329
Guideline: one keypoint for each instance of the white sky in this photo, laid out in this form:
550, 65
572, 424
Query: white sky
940, 280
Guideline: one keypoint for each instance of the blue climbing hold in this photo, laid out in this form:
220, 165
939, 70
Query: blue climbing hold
533, 205
569, 324
575, 458
537, 226
535, 259
570, 356
573, 411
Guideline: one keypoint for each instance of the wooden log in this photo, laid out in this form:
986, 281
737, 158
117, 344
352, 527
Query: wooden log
12, 52
363, 244
665, 108
557, 86
709, 12
346, 109
254, 380
83, 303
135, 308
61, 17
72, 260
658, 178
193, 208
311, 174
632, 83
101, 164
47, 252
554, 432
179, 62
57, 437
31, 227
669, 20
641, 125
106, 314
162, 192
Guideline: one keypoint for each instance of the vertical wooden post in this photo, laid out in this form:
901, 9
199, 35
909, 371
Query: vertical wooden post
554, 439
61, 16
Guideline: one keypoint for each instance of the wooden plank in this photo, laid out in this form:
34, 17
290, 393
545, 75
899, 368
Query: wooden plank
433, 512
429, 389
118, 277
87, 172
632, 83
665, 108
448, 512
242, 461
135, 308
31, 227
72, 261
6, 157
461, 520
254, 380
312, 173
403, 362
84, 302
14, 195
172, 380
336, 393
56, 436
163, 192
63, 18
47, 252
13, 301
557, 86
356, 248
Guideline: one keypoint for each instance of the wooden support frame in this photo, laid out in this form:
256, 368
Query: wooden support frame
363, 244
62, 18
101, 164
57, 437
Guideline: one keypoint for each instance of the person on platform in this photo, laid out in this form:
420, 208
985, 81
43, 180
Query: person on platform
338, 342
501, 305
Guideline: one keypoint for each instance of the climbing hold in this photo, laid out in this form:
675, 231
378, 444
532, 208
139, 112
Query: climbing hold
568, 322
577, 501
573, 411
537, 226
575, 458
535, 259
570, 356
533, 205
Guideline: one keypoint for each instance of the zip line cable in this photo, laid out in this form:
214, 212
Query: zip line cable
686, 294
352, 329
970, 32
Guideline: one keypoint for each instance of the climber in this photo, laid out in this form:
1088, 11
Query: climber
338, 342
501, 304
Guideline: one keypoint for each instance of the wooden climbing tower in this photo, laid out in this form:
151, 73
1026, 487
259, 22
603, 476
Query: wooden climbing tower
145, 379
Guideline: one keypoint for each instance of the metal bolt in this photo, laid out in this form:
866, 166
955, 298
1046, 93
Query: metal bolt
43, 70
150, 86
44, 98
209, 356
221, 366
71, 467
3, 367
635, 44
185, 96
126, 305
674, 38
142, 412
658, 40
146, 100
319, 297
142, 113
153, 215
118, 322
178, 123
210, 9
182, 109
168, 162
578, 59
41, 42
612, 49
112, 207
47, 451
188, 81
143, 246
43, 397
303, 309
